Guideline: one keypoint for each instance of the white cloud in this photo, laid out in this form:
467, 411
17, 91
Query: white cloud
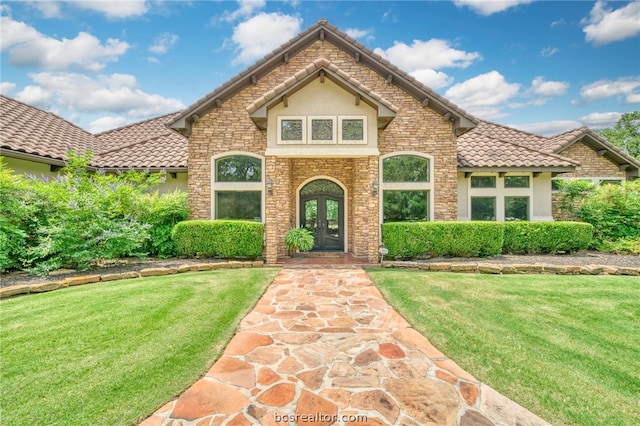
489, 7
633, 98
602, 89
548, 88
431, 54
116, 93
13, 33
35, 95
600, 120
548, 128
606, 26
28, 47
106, 123
163, 43
6, 87
356, 32
114, 9
153, 60
484, 94
549, 51
557, 23
262, 33
49, 9
432, 79
245, 8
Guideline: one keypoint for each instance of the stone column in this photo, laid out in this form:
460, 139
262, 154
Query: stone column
277, 207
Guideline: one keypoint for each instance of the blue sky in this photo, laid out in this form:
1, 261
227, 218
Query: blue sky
541, 66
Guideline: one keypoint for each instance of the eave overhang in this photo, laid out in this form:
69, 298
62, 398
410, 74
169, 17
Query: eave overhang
507, 169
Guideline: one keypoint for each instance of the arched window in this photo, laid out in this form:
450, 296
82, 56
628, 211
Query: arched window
406, 188
237, 187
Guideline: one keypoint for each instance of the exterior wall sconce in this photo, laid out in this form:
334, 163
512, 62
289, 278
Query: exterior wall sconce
269, 186
375, 185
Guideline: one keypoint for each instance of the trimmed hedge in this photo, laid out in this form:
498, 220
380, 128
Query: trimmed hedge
221, 238
546, 237
455, 239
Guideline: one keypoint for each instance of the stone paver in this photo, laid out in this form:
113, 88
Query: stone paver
322, 347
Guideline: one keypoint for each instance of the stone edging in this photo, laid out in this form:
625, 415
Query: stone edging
7, 292
515, 268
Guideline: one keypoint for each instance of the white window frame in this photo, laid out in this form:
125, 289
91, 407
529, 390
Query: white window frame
237, 186
406, 186
312, 141
363, 141
304, 130
499, 192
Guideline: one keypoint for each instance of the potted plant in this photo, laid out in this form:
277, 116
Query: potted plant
298, 239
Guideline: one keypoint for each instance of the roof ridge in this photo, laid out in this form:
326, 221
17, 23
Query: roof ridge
135, 123
511, 128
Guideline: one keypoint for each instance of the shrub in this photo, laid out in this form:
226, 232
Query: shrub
163, 213
457, 239
546, 237
223, 238
626, 245
299, 239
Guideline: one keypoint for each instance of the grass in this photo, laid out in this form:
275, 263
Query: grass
112, 353
565, 347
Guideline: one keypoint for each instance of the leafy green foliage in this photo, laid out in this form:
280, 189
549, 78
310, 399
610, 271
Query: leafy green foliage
625, 134
78, 218
223, 238
627, 245
458, 239
299, 239
546, 237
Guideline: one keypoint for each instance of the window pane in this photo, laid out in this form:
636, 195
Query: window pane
483, 208
405, 168
405, 206
321, 130
352, 129
483, 181
516, 208
516, 181
238, 168
291, 130
239, 205
610, 182
555, 185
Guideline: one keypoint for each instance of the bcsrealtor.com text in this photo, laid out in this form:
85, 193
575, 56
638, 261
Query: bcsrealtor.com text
319, 417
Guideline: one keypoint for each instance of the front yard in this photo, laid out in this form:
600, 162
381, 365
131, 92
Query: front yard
113, 353
565, 347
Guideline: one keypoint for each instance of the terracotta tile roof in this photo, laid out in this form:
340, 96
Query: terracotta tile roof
146, 144
492, 145
28, 129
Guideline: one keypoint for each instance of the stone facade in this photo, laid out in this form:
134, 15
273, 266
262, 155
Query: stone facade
591, 164
229, 128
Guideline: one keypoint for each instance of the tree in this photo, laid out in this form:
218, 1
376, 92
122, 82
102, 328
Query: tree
625, 134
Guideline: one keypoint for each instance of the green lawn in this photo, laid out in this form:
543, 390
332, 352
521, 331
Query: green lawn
565, 347
112, 353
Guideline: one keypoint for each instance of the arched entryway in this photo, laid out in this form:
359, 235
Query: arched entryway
322, 212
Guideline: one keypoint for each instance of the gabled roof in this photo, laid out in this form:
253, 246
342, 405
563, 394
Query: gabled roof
30, 131
322, 30
596, 142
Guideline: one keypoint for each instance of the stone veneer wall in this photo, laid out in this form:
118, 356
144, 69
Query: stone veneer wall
591, 165
229, 128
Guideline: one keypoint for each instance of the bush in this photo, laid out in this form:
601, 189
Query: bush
626, 245
457, 239
546, 237
163, 213
223, 238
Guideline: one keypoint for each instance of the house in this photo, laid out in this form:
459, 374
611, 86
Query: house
37, 142
326, 134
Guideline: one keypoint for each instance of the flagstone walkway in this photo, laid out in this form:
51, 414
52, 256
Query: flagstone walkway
323, 347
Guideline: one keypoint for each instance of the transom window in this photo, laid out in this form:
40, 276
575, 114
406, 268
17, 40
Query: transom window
406, 188
237, 188
322, 130
483, 181
516, 181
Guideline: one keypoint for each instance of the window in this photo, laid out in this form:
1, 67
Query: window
406, 188
237, 187
322, 130
291, 130
352, 130
516, 208
516, 181
483, 208
483, 181
611, 182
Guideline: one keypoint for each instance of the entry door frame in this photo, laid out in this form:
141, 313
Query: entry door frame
345, 205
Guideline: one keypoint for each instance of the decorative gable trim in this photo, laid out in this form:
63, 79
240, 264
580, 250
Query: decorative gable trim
320, 68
